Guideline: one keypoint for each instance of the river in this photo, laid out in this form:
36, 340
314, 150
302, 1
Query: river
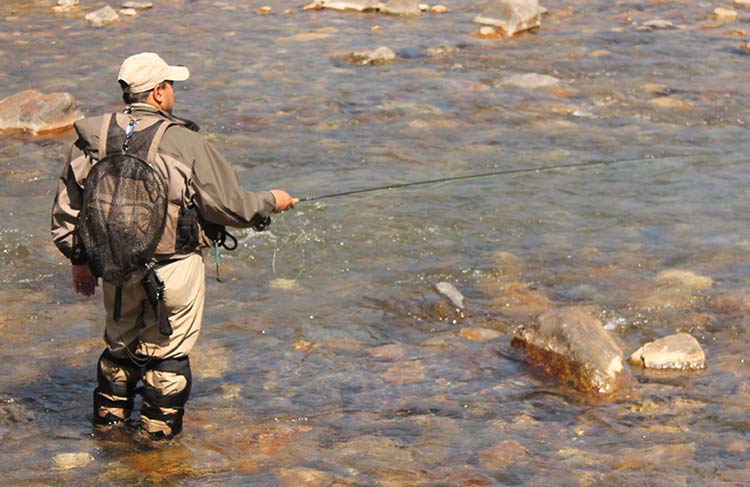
326, 357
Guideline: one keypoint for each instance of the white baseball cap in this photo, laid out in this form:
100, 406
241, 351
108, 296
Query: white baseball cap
141, 72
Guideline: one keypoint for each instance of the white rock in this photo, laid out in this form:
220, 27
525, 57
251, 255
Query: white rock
137, 5
659, 24
530, 80
103, 16
381, 55
725, 14
450, 291
681, 351
68, 461
128, 12
511, 16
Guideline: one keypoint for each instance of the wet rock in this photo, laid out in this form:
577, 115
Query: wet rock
725, 14
304, 477
358, 5
137, 5
684, 280
439, 9
681, 351
102, 17
391, 351
656, 457
530, 81
36, 112
659, 24
401, 7
480, 334
68, 461
65, 6
515, 299
510, 17
128, 12
450, 291
503, 455
381, 55
573, 347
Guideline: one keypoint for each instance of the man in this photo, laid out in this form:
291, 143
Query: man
199, 180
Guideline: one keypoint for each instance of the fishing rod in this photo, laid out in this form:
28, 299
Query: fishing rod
539, 169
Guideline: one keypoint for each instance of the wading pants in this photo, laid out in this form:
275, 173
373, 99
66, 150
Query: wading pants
136, 351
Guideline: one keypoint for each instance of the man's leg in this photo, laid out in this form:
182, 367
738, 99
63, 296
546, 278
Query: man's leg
113, 397
166, 388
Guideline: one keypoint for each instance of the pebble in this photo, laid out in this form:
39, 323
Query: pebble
102, 17
725, 14
137, 5
681, 351
69, 461
487, 31
128, 12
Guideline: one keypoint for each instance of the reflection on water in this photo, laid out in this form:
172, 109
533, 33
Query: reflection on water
328, 358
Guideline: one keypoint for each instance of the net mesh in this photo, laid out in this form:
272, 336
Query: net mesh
123, 216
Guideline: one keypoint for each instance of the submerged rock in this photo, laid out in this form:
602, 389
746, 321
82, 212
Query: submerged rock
510, 17
104, 16
68, 461
381, 55
530, 81
681, 351
573, 347
36, 112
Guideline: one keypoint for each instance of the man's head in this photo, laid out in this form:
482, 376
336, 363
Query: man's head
146, 78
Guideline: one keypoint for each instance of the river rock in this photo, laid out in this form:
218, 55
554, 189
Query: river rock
572, 346
725, 14
104, 16
358, 5
681, 351
510, 17
68, 461
137, 5
530, 81
401, 7
380, 55
65, 6
36, 112
450, 291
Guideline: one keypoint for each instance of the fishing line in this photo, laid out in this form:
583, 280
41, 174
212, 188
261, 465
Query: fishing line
504, 172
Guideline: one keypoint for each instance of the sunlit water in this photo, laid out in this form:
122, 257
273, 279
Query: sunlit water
323, 360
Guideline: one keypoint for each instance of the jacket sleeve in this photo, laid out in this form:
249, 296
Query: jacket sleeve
216, 192
65, 210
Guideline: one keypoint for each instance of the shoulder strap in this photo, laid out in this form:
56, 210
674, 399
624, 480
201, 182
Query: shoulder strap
103, 130
157, 140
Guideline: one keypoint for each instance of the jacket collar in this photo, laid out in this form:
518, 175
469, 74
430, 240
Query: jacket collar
146, 109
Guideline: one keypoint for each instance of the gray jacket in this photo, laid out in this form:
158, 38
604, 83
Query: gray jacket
197, 175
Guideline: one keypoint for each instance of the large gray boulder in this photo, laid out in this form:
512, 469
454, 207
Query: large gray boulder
510, 17
573, 346
35, 112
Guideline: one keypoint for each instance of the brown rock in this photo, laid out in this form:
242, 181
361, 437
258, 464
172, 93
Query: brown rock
573, 347
36, 112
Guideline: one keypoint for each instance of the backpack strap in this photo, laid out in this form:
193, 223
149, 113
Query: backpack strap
103, 130
157, 140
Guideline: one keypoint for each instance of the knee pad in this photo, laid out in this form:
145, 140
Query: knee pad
113, 397
166, 388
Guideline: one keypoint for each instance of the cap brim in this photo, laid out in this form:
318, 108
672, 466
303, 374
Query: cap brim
176, 73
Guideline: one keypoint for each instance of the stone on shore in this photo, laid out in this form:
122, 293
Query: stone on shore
510, 17
573, 346
35, 112
102, 17
681, 351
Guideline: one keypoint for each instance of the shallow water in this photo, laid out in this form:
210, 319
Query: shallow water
323, 360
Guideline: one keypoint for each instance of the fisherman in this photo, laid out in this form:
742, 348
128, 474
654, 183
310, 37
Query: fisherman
198, 180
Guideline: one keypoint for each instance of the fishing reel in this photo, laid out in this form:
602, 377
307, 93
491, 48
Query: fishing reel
263, 224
